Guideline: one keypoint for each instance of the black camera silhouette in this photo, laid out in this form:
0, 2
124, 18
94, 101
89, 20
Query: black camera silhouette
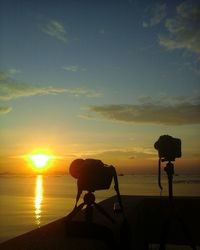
92, 174
169, 148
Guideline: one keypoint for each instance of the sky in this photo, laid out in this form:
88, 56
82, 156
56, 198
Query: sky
99, 79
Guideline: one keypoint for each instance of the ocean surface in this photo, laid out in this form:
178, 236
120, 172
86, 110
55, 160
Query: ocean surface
28, 202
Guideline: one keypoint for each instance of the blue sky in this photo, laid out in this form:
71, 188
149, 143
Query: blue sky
100, 79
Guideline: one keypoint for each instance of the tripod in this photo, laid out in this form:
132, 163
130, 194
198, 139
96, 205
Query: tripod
87, 228
173, 213
89, 202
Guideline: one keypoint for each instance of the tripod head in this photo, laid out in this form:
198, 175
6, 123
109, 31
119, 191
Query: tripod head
89, 198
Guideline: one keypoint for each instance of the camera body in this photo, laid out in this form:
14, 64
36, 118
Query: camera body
169, 148
92, 174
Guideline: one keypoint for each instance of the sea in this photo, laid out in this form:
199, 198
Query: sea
28, 202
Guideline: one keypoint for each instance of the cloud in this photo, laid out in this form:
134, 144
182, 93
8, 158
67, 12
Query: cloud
73, 68
156, 15
5, 110
55, 29
83, 92
130, 154
180, 111
11, 89
183, 29
13, 71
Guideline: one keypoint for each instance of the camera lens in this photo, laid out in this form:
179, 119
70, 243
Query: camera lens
75, 167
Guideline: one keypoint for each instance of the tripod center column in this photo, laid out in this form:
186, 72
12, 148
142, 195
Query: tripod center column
89, 198
170, 172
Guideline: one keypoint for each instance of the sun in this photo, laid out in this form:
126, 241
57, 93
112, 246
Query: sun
39, 161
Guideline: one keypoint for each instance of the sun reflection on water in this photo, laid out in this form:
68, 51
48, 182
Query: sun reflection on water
38, 199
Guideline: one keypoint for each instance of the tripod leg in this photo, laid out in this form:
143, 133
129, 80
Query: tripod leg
187, 233
104, 212
89, 213
74, 212
165, 230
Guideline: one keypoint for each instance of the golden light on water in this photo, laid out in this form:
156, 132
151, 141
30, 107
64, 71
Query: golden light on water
38, 198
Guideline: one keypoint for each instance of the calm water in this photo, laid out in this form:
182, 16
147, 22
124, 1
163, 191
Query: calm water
28, 202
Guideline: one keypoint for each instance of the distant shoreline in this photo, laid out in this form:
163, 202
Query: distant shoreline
67, 174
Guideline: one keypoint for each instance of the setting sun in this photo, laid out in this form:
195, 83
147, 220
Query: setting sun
39, 161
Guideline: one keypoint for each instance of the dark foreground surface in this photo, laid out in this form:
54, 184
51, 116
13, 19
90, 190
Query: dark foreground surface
150, 221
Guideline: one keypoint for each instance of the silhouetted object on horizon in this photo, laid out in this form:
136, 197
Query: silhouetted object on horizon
92, 175
169, 149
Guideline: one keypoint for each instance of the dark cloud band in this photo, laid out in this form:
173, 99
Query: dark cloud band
177, 114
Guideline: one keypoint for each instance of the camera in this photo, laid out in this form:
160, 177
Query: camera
169, 148
92, 174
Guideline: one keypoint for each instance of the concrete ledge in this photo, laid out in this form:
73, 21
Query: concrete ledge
147, 218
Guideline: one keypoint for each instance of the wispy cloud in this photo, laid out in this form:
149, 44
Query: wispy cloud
5, 110
184, 28
13, 71
12, 89
55, 29
127, 154
177, 111
155, 15
73, 68
83, 92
